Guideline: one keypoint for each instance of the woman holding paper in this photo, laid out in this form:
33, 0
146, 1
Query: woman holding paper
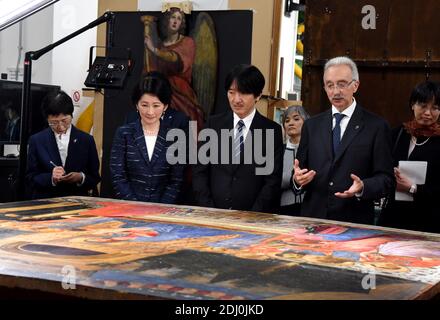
416, 152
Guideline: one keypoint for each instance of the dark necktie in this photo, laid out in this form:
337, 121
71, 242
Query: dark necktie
238, 141
337, 131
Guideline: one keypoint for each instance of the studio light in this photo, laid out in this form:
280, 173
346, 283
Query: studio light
16, 10
109, 71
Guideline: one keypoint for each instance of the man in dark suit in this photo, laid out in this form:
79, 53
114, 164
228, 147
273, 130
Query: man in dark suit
344, 158
62, 160
238, 179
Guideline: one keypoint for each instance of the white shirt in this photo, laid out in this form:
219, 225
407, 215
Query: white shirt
151, 142
290, 145
247, 123
347, 112
63, 144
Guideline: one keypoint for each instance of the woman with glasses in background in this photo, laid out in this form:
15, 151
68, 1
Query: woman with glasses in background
293, 119
416, 208
62, 160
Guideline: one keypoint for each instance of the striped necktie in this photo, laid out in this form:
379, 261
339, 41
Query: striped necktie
239, 140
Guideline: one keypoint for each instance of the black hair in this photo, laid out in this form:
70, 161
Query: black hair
164, 22
56, 103
424, 92
248, 79
154, 83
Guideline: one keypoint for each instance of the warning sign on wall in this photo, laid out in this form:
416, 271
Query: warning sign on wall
76, 97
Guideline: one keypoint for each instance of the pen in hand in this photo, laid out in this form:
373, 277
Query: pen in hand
58, 172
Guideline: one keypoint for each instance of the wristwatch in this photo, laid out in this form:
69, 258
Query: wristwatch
413, 189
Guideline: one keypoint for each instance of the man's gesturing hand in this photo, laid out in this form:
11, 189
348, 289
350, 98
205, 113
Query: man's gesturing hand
302, 177
356, 187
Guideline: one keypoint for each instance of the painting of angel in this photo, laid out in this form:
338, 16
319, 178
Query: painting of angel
183, 59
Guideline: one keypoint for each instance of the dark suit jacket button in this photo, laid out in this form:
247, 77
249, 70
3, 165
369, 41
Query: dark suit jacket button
331, 183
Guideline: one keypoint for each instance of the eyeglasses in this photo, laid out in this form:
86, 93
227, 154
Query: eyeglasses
339, 85
54, 123
426, 106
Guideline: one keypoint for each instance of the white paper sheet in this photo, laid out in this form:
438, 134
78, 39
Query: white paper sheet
416, 172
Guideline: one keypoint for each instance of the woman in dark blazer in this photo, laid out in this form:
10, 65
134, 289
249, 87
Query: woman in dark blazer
139, 167
418, 140
62, 160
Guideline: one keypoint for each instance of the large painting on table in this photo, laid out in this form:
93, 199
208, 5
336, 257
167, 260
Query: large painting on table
158, 251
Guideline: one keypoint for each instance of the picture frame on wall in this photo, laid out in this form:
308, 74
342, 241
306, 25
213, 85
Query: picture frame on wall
277, 107
277, 114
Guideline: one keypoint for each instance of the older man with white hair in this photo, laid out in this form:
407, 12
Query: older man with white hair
344, 157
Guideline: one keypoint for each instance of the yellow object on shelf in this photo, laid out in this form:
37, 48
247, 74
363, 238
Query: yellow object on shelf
298, 71
85, 120
299, 47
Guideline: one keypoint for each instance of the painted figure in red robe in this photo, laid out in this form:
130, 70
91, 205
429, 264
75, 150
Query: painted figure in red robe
173, 54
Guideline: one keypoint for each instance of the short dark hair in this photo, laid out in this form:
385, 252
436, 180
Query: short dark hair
164, 21
298, 109
248, 79
56, 103
425, 92
154, 83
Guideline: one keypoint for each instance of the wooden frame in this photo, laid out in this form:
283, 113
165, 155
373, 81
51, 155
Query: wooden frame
276, 27
274, 105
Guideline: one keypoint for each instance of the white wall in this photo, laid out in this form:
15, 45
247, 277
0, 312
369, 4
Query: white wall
70, 60
37, 33
288, 36
156, 5
67, 64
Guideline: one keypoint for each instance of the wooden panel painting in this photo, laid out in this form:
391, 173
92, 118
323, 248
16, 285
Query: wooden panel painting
189, 62
129, 249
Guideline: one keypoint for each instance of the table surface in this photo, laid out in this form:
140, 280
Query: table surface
111, 249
